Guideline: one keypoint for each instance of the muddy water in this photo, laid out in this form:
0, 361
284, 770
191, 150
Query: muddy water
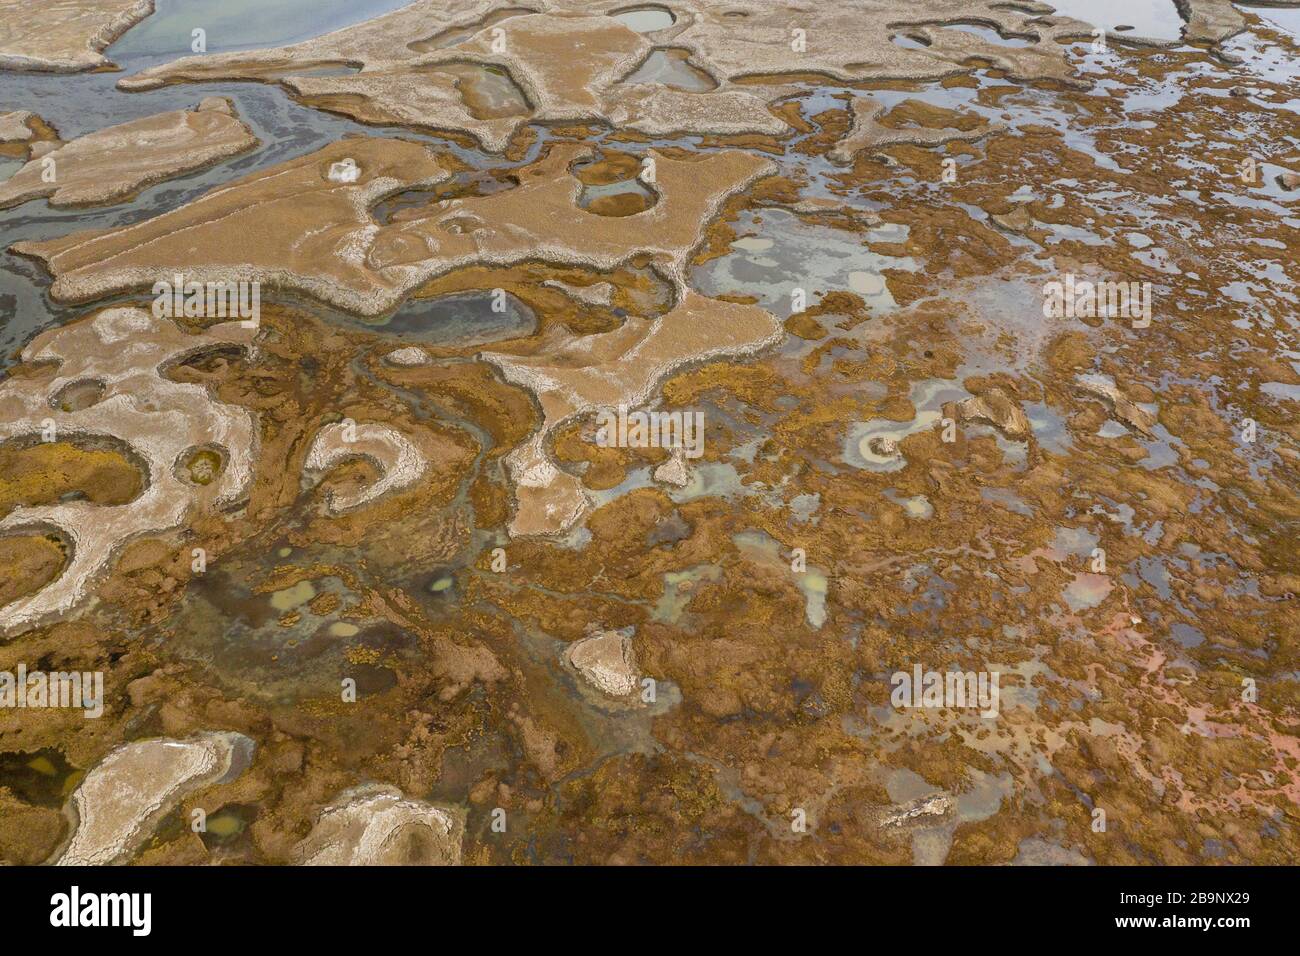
672, 68
43, 777
471, 318
647, 19
1138, 19
236, 25
641, 197
1285, 19
488, 92
777, 252
285, 645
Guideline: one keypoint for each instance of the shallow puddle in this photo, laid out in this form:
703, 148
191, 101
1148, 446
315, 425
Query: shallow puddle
679, 589
417, 203
873, 444
1286, 19
1145, 19
915, 506
285, 646
228, 827
647, 19
778, 252
1087, 590
43, 777
624, 198
672, 68
488, 91
465, 318
990, 35
237, 25
760, 548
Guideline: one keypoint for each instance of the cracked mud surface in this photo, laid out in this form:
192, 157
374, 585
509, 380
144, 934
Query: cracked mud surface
390, 484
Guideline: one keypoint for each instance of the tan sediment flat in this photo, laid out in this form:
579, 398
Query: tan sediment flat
675, 471
606, 660
598, 293
996, 408
377, 826
293, 229
24, 135
568, 68
1210, 21
290, 226
155, 420
570, 59
126, 794
407, 357
1124, 409
867, 133
14, 128
64, 36
576, 375
112, 164
397, 458
255, 229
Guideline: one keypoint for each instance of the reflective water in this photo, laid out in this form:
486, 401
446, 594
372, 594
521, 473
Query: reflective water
1149, 19
470, 318
646, 19
778, 252
236, 25
672, 68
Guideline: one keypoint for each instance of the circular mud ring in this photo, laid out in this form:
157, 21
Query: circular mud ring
78, 395
200, 465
